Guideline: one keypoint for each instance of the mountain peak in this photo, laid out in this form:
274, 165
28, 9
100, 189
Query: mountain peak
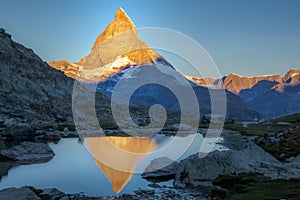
116, 48
121, 14
120, 24
234, 74
292, 76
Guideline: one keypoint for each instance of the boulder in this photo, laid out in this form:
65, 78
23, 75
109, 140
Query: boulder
4, 168
23, 193
28, 152
2, 144
161, 169
51, 193
243, 156
48, 137
17, 130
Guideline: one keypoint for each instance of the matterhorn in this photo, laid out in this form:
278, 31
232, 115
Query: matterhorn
118, 55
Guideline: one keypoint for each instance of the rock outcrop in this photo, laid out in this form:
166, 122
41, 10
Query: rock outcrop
28, 152
17, 130
161, 169
244, 156
31, 193
18, 194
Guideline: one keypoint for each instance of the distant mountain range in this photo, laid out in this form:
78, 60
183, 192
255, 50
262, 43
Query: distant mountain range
271, 95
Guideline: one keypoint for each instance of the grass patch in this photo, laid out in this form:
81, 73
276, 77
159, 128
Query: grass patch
268, 127
253, 187
295, 118
256, 129
288, 147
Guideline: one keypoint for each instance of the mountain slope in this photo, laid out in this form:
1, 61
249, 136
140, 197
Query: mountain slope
30, 88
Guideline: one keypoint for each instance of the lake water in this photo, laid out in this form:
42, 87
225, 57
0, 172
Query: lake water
80, 168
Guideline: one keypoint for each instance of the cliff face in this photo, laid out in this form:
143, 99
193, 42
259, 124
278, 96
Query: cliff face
120, 24
30, 88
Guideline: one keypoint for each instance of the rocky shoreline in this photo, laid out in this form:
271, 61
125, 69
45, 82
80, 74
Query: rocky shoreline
160, 193
193, 177
21, 143
244, 156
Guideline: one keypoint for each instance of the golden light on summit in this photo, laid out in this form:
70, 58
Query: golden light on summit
116, 48
117, 157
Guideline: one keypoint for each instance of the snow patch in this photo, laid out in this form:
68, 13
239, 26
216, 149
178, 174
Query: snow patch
128, 73
235, 74
294, 74
107, 70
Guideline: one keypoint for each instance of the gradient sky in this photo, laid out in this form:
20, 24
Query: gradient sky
248, 37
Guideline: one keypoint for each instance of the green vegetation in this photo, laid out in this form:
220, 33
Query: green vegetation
268, 127
259, 129
289, 146
294, 118
280, 137
252, 186
218, 193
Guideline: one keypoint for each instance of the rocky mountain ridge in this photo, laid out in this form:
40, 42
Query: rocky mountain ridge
271, 95
235, 83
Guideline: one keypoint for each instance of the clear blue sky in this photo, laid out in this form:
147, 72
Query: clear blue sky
249, 37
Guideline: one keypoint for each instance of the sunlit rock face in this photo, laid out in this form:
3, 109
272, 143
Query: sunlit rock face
116, 48
234, 82
70, 69
121, 23
117, 157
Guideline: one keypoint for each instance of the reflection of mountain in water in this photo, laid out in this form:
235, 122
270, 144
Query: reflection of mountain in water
117, 156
